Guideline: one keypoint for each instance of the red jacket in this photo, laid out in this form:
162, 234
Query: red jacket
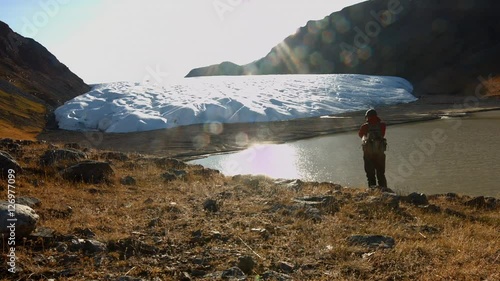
371, 120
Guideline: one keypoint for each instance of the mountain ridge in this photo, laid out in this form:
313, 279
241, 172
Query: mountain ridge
441, 47
33, 82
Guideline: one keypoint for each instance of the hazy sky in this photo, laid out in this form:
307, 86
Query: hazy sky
134, 40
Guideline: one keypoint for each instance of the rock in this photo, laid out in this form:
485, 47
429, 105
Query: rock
390, 200
285, 267
206, 172
128, 180
61, 156
326, 202
211, 205
168, 177
120, 156
417, 199
89, 172
89, 246
170, 163
84, 232
7, 163
62, 247
26, 217
455, 213
29, 201
233, 273
179, 173
246, 264
44, 232
129, 247
274, 276
72, 145
482, 202
431, 208
372, 241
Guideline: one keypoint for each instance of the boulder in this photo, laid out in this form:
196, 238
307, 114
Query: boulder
29, 201
26, 217
89, 172
246, 264
61, 156
7, 162
417, 199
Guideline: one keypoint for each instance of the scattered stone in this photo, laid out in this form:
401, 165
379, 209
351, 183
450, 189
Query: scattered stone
327, 202
72, 145
274, 276
431, 208
131, 246
62, 247
482, 202
84, 232
89, 172
211, 205
372, 241
154, 222
171, 163
65, 156
285, 267
44, 232
89, 246
128, 180
233, 273
454, 213
390, 200
246, 264
417, 199
206, 172
168, 177
7, 163
120, 156
26, 217
29, 201
180, 174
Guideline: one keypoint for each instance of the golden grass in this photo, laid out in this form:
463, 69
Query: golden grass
20, 118
258, 218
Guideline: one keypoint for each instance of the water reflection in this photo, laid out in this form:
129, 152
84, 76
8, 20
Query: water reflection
277, 161
450, 155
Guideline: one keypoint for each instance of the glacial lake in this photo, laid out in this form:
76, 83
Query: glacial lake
458, 154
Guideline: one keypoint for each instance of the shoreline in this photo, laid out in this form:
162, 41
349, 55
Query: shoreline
197, 141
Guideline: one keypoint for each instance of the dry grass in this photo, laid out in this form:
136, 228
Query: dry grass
258, 218
20, 118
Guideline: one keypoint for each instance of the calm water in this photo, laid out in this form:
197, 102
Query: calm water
458, 155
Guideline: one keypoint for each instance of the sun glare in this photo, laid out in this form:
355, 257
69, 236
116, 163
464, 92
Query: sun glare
277, 161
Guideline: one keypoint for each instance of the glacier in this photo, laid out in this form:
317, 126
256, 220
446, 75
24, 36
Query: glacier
123, 107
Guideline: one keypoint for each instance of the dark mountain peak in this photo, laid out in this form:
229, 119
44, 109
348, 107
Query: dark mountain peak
439, 46
32, 80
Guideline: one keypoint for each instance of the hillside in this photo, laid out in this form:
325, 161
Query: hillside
156, 218
441, 47
32, 83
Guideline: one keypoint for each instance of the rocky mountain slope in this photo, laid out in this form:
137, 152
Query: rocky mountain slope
32, 83
442, 47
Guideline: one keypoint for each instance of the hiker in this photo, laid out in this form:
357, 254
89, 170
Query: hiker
374, 145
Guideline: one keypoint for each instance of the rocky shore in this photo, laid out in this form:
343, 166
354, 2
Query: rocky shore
87, 214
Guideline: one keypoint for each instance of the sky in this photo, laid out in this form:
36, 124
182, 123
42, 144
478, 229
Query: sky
137, 40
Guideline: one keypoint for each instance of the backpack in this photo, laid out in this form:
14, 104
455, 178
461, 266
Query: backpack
374, 143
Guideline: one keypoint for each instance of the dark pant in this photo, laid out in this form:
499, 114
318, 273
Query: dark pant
375, 166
